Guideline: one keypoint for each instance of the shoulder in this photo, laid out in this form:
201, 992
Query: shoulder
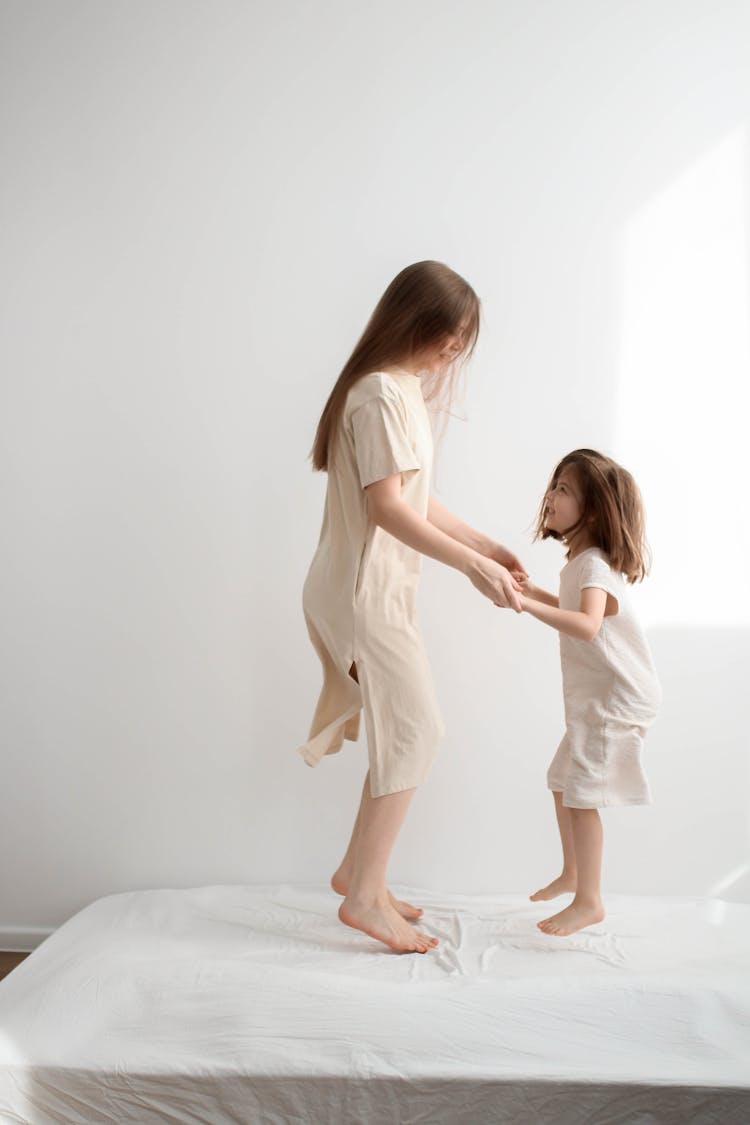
378, 387
594, 569
595, 559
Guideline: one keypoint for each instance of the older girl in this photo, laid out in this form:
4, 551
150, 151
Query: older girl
374, 440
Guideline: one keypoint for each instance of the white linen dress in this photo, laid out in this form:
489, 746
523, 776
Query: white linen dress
359, 596
611, 693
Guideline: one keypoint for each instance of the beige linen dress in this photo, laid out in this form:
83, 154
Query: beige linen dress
360, 593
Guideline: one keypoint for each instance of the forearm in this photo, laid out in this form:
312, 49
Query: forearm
451, 525
400, 520
572, 622
537, 594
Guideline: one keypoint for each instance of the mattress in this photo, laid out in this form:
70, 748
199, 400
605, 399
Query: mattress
254, 1004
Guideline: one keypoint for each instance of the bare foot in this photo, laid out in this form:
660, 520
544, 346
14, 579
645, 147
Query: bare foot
340, 884
572, 918
560, 886
381, 921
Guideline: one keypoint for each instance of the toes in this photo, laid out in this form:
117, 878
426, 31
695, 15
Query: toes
411, 913
554, 925
406, 909
420, 947
407, 906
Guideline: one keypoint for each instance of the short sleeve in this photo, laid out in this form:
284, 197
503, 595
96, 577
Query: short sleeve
599, 574
381, 443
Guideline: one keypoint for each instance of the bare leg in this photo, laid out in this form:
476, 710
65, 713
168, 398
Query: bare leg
586, 908
566, 882
342, 877
367, 905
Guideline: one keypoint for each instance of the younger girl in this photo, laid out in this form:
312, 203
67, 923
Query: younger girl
610, 687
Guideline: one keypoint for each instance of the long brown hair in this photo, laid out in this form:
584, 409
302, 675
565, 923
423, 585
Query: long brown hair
611, 511
424, 303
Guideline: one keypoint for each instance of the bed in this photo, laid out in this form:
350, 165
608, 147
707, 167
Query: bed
254, 1004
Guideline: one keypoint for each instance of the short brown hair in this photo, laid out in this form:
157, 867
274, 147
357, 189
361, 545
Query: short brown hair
423, 303
612, 511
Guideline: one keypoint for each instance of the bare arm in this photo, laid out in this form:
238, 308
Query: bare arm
388, 510
537, 594
449, 523
583, 623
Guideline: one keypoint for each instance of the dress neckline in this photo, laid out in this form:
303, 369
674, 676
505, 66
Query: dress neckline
403, 372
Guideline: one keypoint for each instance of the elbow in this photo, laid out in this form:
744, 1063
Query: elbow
377, 515
591, 631
381, 515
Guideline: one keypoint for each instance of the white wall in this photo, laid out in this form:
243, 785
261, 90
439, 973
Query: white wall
201, 204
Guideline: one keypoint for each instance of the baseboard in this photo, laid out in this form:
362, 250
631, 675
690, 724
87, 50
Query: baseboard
17, 940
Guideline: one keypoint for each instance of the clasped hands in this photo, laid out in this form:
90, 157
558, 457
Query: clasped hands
501, 577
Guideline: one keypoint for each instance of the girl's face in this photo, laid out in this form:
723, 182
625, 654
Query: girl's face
563, 503
439, 355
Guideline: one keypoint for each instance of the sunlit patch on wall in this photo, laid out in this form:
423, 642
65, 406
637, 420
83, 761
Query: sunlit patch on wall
684, 389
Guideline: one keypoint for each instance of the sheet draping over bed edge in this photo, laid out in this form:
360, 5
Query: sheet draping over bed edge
231, 1003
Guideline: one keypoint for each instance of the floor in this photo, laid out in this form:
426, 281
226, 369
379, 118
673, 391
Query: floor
8, 961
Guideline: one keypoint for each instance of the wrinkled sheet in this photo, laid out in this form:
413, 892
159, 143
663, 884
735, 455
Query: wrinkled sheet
254, 1004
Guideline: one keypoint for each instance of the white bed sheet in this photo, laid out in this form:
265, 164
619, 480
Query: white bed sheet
254, 1004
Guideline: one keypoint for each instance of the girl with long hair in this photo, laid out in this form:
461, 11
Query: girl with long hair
610, 686
374, 440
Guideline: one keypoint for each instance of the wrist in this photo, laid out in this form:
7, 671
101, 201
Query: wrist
486, 546
470, 562
491, 549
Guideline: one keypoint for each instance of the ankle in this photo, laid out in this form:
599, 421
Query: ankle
588, 899
368, 896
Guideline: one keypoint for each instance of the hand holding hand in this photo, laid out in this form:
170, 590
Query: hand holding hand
508, 560
495, 582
